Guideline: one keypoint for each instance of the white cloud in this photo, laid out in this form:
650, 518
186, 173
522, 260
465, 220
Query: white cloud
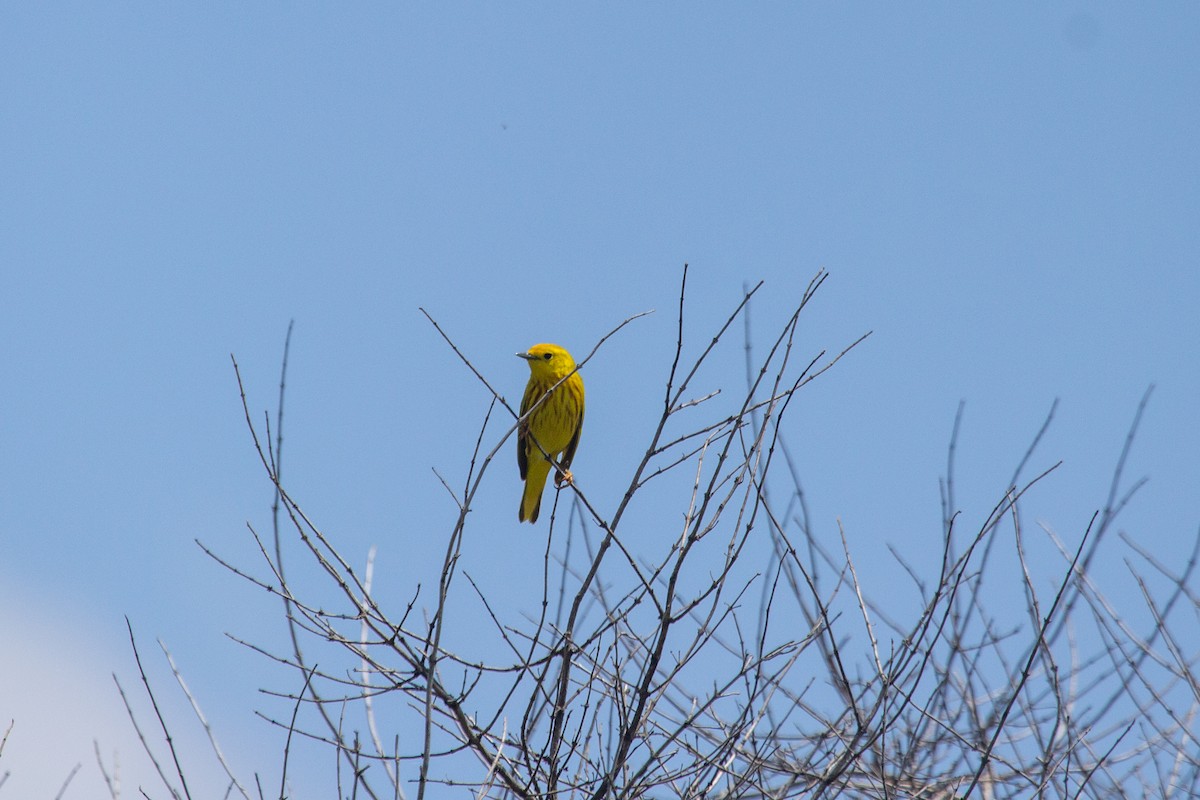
57, 690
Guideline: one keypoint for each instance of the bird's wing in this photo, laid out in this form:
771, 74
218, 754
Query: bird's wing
569, 454
523, 429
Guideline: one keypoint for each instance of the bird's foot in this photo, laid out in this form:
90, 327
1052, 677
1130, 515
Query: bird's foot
564, 477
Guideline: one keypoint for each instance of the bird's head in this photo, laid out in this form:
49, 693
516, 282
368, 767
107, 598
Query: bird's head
548, 361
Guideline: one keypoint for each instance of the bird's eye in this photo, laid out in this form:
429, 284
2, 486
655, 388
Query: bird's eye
547, 356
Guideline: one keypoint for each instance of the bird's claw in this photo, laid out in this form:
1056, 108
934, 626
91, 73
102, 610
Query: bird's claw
564, 477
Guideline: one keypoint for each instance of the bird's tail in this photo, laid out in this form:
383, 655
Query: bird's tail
535, 482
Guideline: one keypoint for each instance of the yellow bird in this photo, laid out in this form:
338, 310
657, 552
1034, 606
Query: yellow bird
555, 424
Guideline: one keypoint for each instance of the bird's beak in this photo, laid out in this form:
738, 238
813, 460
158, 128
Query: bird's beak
525, 356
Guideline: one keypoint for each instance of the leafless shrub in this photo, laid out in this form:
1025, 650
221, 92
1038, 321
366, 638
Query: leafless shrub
740, 656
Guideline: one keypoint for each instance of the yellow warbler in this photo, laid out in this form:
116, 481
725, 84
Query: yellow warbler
554, 425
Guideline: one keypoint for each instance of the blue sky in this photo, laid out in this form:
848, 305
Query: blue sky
1005, 195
